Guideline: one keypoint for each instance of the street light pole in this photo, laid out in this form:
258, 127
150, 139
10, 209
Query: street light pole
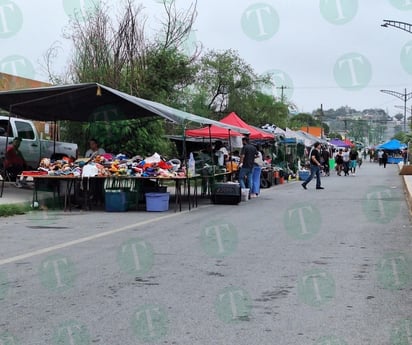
399, 25
403, 96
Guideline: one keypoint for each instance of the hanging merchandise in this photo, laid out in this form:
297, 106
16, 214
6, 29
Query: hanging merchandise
191, 166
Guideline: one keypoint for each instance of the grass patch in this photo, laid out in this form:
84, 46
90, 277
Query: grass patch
13, 209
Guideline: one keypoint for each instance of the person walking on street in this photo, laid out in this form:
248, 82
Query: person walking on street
353, 157
247, 159
314, 159
346, 159
384, 158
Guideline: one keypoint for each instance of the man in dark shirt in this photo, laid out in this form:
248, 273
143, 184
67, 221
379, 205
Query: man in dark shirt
314, 158
247, 158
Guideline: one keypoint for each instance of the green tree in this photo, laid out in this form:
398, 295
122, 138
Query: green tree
227, 83
120, 56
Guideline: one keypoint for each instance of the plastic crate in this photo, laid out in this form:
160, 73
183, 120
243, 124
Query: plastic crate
157, 202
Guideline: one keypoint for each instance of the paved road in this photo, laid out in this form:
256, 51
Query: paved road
291, 267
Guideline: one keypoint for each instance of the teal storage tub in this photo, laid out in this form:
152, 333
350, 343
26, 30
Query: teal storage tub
116, 200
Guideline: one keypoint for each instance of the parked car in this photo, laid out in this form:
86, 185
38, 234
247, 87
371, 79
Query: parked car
32, 147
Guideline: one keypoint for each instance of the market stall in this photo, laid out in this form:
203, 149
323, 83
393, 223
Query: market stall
394, 149
94, 102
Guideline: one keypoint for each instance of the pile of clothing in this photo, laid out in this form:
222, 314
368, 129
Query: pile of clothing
110, 165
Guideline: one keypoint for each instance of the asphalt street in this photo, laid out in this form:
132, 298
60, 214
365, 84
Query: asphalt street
291, 267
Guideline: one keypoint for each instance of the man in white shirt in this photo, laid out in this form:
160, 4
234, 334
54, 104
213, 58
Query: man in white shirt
94, 149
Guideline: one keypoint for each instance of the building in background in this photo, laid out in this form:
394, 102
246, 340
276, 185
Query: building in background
47, 130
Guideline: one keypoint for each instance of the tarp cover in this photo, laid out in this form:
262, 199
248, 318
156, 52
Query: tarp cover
393, 144
233, 120
91, 102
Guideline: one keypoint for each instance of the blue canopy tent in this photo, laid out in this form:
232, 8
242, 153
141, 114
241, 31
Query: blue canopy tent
392, 145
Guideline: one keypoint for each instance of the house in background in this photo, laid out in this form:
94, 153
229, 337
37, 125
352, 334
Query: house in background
47, 130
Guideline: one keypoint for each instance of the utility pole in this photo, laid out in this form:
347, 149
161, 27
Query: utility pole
404, 97
283, 87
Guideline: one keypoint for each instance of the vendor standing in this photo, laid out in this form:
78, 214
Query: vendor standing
14, 162
94, 149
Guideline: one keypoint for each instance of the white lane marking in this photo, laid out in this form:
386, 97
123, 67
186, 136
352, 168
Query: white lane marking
83, 239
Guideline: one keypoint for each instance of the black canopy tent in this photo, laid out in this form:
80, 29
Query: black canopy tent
92, 102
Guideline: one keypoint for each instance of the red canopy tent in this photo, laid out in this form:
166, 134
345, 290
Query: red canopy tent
220, 133
348, 142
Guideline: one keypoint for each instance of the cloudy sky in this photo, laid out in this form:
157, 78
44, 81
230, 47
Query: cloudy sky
329, 52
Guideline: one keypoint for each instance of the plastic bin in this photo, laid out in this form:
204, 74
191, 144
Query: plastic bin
303, 174
115, 200
157, 202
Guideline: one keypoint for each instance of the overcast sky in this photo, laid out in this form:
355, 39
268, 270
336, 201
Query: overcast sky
330, 52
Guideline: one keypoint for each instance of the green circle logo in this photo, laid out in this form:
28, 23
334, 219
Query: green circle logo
150, 323
401, 333
352, 71
80, 9
219, 239
283, 85
406, 57
107, 113
260, 22
135, 257
189, 46
381, 204
57, 273
4, 285
316, 288
71, 332
44, 212
302, 221
8, 339
11, 19
338, 12
394, 271
403, 5
233, 305
17, 65
330, 340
